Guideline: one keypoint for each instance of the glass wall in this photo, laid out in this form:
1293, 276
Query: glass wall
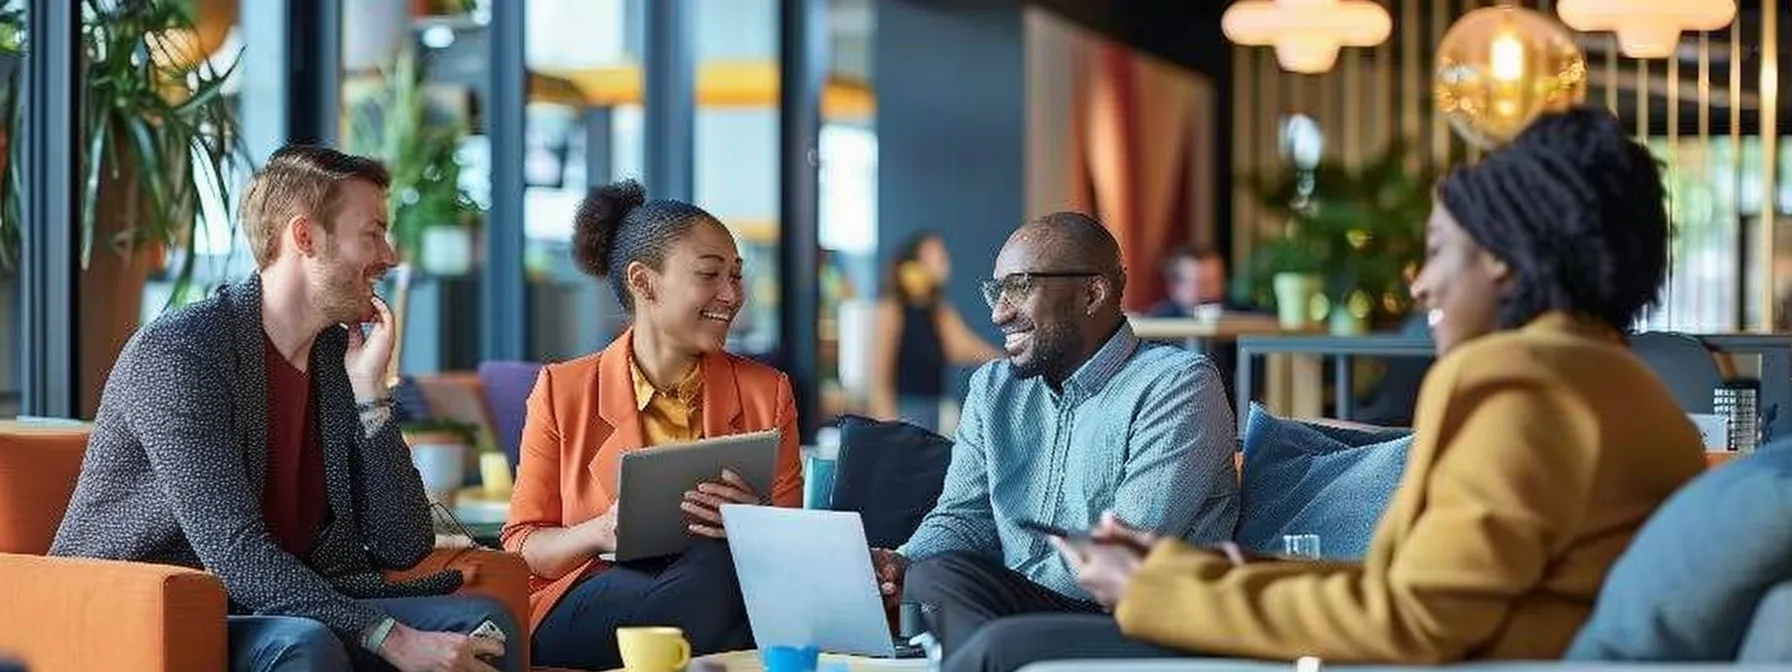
584, 128
13, 41
736, 150
1716, 196
848, 206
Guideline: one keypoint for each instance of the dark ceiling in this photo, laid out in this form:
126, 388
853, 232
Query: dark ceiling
1186, 32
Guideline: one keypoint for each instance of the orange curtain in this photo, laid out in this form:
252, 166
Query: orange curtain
1133, 151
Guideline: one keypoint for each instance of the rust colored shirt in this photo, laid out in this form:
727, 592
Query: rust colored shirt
293, 500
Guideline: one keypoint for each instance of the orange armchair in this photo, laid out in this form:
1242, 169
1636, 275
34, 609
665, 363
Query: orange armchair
77, 614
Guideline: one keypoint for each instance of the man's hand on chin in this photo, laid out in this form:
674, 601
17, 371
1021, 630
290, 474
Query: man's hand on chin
369, 353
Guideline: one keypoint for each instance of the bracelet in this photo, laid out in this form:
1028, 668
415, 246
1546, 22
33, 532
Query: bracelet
384, 402
373, 418
376, 635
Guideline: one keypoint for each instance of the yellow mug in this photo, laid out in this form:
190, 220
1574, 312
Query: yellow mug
653, 649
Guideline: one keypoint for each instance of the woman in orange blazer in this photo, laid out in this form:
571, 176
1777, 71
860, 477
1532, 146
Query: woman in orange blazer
677, 271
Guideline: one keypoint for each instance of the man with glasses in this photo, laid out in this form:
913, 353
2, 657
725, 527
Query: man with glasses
1081, 417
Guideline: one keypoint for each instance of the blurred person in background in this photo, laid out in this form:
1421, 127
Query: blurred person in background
919, 334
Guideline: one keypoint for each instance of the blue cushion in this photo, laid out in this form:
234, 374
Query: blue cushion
1303, 478
890, 473
1689, 583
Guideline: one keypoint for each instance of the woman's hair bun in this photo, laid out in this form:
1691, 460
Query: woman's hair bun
600, 216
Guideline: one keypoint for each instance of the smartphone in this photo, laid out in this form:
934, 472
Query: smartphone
489, 630
1037, 527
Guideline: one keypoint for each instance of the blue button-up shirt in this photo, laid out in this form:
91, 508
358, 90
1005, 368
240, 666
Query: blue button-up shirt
1142, 429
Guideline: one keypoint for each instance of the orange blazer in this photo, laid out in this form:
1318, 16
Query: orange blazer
582, 418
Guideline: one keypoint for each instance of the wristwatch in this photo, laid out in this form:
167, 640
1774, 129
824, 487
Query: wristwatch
375, 636
375, 413
382, 402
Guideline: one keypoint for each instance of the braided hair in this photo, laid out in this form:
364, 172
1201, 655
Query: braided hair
1576, 210
616, 225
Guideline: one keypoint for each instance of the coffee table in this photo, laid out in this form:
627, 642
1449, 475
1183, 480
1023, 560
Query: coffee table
748, 661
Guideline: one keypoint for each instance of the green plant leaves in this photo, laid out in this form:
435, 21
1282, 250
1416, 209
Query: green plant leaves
152, 126
1361, 230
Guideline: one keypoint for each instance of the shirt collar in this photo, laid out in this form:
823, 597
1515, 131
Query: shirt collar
1102, 366
684, 392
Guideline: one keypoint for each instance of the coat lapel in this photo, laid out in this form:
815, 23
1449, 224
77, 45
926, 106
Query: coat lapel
339, 426
250, 418
616, 409
721, 397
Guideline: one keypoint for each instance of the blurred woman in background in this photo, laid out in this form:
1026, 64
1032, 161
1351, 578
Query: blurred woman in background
918, 335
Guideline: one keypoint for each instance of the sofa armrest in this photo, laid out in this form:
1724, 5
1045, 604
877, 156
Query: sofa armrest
1769, 637
80, 614
501, 576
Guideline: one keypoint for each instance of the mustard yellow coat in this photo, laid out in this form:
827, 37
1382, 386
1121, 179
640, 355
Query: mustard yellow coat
1538, 453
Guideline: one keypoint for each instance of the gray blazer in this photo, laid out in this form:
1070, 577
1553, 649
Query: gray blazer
175, 467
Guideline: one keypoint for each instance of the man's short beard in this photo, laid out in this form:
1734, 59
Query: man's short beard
1053, 349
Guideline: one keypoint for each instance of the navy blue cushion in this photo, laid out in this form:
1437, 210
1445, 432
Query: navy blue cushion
1688, 585
1305, 478
891, 474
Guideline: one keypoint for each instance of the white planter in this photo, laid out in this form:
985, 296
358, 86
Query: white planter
443, 467
1294, 296
446, 250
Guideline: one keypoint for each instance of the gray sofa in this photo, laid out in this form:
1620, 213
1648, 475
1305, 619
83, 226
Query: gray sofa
1768, 646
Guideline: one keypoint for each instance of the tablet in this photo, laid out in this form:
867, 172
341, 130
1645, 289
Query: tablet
652, 483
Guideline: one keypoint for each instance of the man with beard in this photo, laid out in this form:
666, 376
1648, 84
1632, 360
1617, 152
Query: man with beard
1081, 417
251, 434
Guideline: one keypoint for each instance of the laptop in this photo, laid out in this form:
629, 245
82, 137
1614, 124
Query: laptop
806, 578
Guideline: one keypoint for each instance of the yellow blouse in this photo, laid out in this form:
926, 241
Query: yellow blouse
669, 416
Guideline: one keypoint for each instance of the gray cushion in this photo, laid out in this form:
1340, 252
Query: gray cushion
1303, 478
1769, 637
1688, 585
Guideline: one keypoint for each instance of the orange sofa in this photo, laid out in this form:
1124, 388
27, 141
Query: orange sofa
74, 614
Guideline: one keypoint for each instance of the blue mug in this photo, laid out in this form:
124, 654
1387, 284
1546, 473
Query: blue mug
790, 658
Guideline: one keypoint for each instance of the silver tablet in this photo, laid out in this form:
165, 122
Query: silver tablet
652, 483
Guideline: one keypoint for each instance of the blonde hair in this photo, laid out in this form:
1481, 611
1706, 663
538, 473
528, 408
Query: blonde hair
300, 180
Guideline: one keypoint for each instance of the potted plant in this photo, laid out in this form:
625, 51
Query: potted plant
160, 144
440, 450
1362, 227
432, 217
1293, 263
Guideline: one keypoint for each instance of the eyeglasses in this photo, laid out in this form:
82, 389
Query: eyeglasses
1014, 288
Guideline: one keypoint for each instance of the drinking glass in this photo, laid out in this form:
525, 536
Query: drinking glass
1302, 546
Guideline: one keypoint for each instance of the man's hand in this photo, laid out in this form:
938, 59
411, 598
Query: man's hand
1103, 569
1112, 530
600, 533
704, 505
889, 567
369, 354
412, 650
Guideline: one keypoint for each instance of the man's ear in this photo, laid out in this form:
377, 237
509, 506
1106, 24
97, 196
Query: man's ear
1099, 292
305, 234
